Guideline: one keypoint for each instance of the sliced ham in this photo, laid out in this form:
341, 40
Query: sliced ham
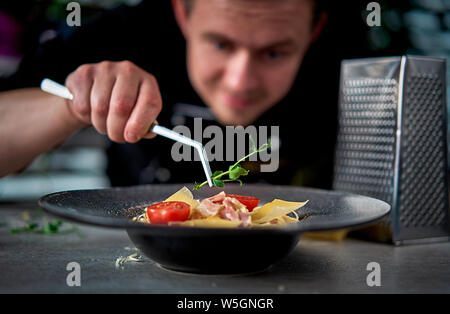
218, 198
227, 208
245, 218
206, 208
233, 209
229, 214
238, 206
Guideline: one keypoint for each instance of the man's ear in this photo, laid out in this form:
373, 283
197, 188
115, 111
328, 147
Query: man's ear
179, 10
320, 25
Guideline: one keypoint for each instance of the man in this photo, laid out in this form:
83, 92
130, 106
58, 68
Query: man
242, 58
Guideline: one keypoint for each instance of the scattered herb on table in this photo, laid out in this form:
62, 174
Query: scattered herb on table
52, 227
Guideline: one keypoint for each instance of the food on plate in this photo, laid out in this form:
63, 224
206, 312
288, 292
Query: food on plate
164, 212
220, 210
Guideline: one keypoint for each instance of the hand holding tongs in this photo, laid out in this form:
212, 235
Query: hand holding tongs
54, 88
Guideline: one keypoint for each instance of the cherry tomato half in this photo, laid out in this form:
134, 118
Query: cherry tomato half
249, 201
162, 213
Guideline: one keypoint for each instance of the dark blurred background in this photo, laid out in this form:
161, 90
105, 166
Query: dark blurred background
418, 27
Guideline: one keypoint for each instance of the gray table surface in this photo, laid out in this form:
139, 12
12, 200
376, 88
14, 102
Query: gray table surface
36, 263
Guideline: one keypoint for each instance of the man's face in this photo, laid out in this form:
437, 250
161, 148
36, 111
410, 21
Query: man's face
243, 55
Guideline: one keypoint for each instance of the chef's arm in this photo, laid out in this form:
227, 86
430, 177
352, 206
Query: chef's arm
31, 122
118, 99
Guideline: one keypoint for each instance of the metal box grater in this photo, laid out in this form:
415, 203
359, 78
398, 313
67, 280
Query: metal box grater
392, 144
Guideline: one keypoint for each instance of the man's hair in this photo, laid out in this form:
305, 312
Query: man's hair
319, 6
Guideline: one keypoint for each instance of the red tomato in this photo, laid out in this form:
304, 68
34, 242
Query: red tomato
249, 201
162, 213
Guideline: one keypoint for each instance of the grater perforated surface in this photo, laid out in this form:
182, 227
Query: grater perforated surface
366, 139
422, 185
392, 143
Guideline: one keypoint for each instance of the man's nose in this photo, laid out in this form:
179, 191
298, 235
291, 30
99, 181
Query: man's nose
240, 73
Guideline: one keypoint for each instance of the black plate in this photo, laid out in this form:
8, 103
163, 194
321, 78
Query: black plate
214, 250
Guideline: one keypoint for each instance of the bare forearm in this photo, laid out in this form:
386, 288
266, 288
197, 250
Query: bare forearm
31, 122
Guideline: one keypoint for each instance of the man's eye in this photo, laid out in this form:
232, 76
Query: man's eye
220, 45
272, 54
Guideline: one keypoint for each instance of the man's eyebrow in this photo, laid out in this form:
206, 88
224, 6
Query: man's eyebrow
216, 36
281, 43
289, 42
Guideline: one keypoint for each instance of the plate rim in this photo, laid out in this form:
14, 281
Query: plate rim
125, 223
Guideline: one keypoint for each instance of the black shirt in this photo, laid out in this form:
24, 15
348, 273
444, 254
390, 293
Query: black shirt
148, 36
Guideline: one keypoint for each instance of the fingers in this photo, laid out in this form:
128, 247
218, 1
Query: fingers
80, 83
123, 99
100, 99
118, 98
144, 114
150, 134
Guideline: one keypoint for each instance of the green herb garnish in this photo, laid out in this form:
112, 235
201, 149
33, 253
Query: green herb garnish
235, 171
49, 228
52, 227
